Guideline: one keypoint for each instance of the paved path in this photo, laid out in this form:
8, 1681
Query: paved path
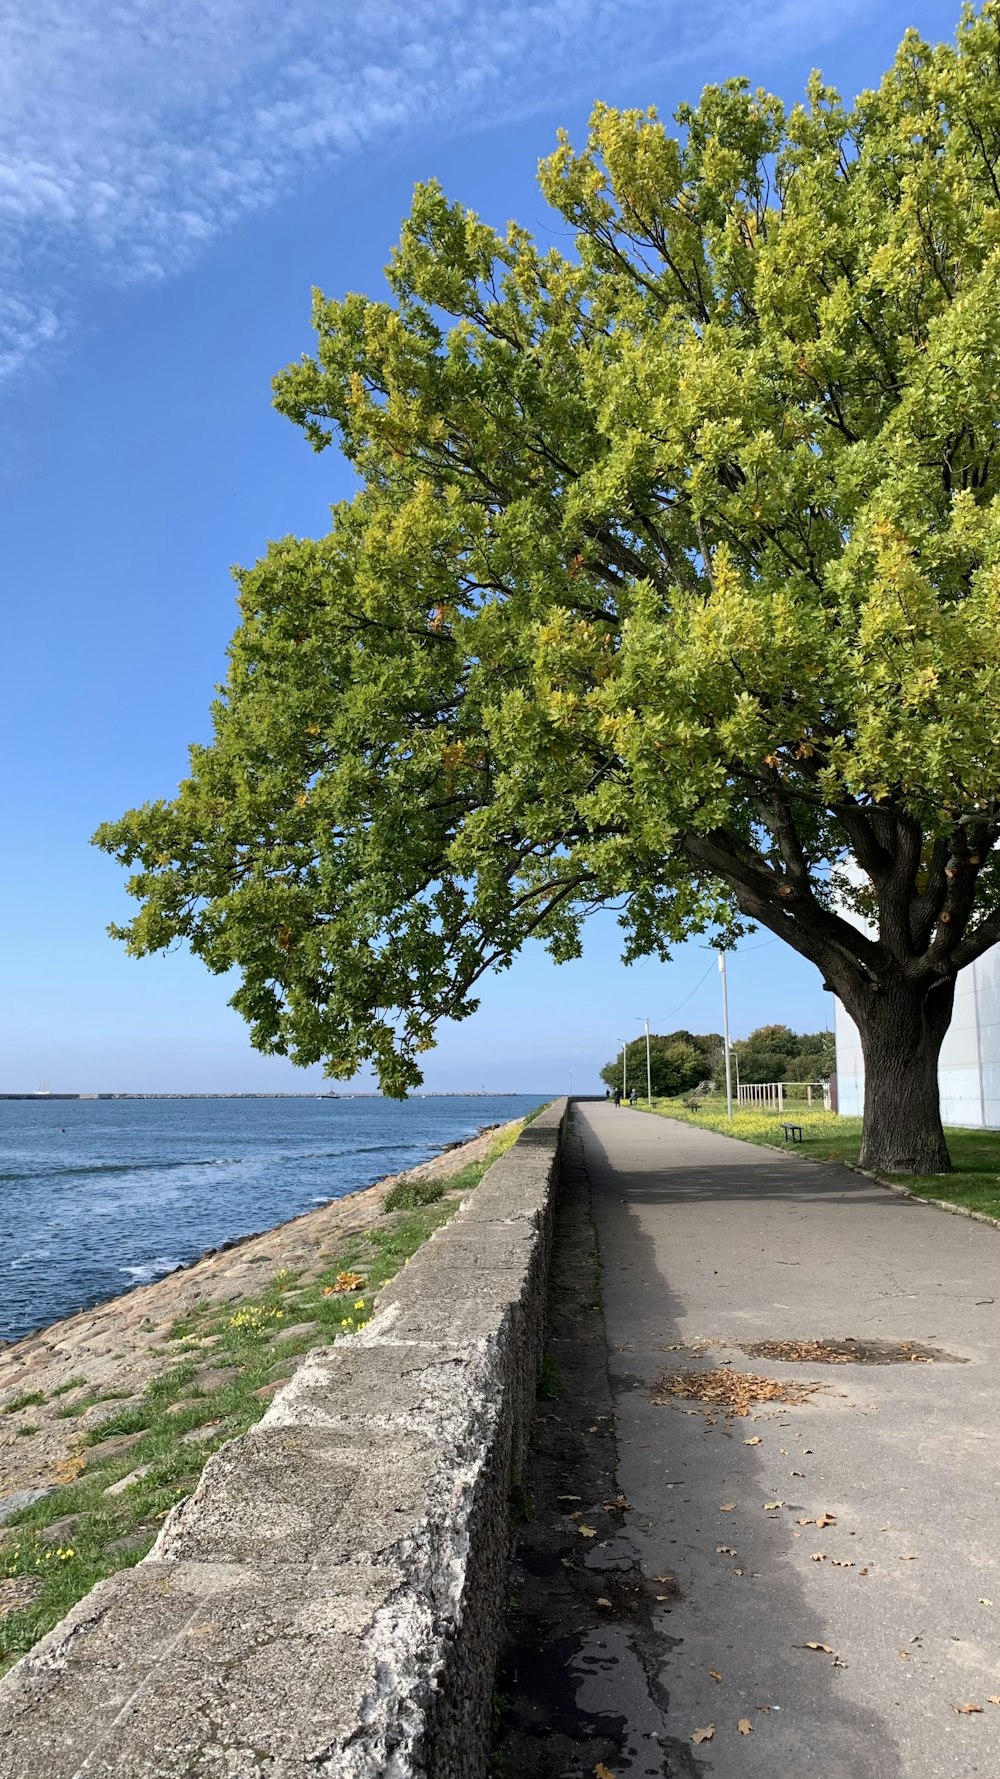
705, 1238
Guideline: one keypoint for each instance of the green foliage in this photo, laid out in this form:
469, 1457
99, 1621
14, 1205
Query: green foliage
410, 1194
672, 580
776, 1053
675, 1064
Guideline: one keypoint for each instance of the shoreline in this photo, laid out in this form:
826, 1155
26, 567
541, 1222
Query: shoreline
108, 1354
237, 1241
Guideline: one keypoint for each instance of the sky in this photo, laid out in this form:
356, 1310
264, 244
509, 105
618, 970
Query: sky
173, 183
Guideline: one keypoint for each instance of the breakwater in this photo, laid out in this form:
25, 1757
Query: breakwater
328, 1599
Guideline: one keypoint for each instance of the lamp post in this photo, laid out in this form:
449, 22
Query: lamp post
725, 1033
649, 1072
624, 1066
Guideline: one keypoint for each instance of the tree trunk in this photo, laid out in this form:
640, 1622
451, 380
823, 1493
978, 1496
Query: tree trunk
902, 1028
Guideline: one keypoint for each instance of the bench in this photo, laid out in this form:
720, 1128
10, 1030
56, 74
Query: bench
692, 1105
793, 1133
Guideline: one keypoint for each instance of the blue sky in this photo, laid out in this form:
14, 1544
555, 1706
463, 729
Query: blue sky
173, 181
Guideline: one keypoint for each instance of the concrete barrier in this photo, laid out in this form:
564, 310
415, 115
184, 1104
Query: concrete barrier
329, 1600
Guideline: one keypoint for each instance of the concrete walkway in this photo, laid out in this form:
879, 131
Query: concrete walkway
706, 1239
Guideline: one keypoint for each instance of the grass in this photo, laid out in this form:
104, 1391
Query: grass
975, 1154
248, 1339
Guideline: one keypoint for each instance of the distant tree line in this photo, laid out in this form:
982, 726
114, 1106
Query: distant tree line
681, 1061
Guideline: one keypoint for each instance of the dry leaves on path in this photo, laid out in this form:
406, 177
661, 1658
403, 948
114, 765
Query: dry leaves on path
734, 1392
966, 1710
703, 1735
745, 1727
603, 1772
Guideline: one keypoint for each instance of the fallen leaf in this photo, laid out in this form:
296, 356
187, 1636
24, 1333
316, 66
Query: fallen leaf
827, 1519
754, 1441
818, 1556
906, 1559
825, 1647
569, 1497
805, 1522
704, 1735
769, 1506
725, 1550
737, 1572
745, 1727
798, 1473
842, 1563
728, 1507
837, 1663
986, 1602
903, 1654
602, 1772
716, 1676
661, 1596
994, 1699
346, 1281
602, 1601
587, 1531
966, 1710
661, 1578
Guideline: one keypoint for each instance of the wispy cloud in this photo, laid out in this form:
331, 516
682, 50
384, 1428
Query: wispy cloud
133, 133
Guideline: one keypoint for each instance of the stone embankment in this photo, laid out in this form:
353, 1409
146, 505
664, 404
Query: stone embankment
328, 1600
115, 1350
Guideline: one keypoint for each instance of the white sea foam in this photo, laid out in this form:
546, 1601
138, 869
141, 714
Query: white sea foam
152, 1269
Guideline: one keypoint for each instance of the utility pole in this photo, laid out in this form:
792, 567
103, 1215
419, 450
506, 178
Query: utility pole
624, 1066
725, 1033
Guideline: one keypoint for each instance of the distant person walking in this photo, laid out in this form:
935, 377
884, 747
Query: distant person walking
633, 1096
616, 1097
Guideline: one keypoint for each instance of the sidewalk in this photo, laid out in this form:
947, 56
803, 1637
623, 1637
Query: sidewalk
692, 1605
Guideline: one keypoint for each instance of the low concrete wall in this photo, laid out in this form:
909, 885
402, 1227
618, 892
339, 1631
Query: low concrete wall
328, 1601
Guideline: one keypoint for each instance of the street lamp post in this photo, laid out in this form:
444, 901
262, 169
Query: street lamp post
725, 1032
649, 1072
624, 1066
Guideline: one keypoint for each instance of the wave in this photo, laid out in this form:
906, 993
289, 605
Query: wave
88, 1168
152, 1269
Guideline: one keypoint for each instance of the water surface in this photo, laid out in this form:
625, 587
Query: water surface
99, 1195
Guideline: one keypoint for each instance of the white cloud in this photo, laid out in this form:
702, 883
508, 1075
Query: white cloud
132, 132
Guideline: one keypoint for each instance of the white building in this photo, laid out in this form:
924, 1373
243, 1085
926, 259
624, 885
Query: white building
969, 1070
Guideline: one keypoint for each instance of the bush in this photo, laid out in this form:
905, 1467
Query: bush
409, 1195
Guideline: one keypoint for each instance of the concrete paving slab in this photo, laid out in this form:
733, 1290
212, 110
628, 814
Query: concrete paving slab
706, 1243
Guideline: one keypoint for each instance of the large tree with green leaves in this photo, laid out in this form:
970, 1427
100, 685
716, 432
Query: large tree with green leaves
672, 580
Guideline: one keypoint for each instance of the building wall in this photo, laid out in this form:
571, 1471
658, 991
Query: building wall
969, 1070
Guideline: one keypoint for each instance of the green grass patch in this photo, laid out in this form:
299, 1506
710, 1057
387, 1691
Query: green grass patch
409, 1195
30, 1399
110, 1532
975, 1154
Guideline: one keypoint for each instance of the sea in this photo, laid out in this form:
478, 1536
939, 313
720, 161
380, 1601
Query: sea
98, 1196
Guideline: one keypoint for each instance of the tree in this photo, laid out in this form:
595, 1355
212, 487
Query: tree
672, 582
776, 1053
675, 1065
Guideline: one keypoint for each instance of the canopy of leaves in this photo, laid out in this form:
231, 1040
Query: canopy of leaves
676, 1065
672, 580
775, 1053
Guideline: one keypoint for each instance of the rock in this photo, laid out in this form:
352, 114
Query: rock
267, 1390
296, 1330
125, 1482
17, 1593
132, 1540
60, 1531
111, 1448
195, 1434
21, 1498
218, 1379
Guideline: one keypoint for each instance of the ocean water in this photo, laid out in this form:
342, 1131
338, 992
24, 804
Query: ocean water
97, 1196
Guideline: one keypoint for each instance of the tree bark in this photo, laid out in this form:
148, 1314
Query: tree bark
902, 1028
